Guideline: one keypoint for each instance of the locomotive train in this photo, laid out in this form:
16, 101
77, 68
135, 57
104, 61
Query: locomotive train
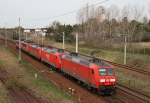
95, 73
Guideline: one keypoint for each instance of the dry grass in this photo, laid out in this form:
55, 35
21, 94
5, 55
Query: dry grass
133, 81
141, 45
22, 75
3, 94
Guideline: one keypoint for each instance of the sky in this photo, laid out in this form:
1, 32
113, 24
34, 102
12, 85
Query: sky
40, 13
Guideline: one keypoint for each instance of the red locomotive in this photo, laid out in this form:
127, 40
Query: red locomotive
95, 73
52, 56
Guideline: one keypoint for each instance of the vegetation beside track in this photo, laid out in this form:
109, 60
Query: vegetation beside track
134, 82
4, 98
23, 75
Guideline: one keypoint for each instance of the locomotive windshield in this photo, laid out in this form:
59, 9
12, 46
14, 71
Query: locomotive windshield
110, 71
105, 72
102, 72
61, 50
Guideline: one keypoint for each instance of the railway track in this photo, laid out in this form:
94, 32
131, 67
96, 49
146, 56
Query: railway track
134, 93
135, 69
16, 94
124, 94
130, 68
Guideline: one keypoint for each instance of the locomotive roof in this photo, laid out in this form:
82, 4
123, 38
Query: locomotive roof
77, 59
49, 50
34, 45
86, 60
94, 60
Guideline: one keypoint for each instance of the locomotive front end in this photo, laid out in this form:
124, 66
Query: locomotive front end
107, 80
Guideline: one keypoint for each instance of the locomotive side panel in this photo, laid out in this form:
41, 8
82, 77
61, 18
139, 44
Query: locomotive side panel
79, 71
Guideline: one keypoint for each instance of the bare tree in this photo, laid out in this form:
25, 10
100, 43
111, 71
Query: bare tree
102, 24
137, 13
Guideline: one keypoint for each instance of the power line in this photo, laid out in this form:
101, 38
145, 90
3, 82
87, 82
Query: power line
70, 12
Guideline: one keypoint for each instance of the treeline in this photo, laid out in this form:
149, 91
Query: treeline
135, 30
100, 25
12, 33
56, 30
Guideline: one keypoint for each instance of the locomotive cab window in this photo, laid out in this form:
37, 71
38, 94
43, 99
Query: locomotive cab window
110, 71
102, 72
60, 50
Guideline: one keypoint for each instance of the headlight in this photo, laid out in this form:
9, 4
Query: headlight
112, 80
102, 80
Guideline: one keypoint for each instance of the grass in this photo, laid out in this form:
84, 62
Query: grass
22, 75
1, 62
134, 82
44, 85
4, 98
